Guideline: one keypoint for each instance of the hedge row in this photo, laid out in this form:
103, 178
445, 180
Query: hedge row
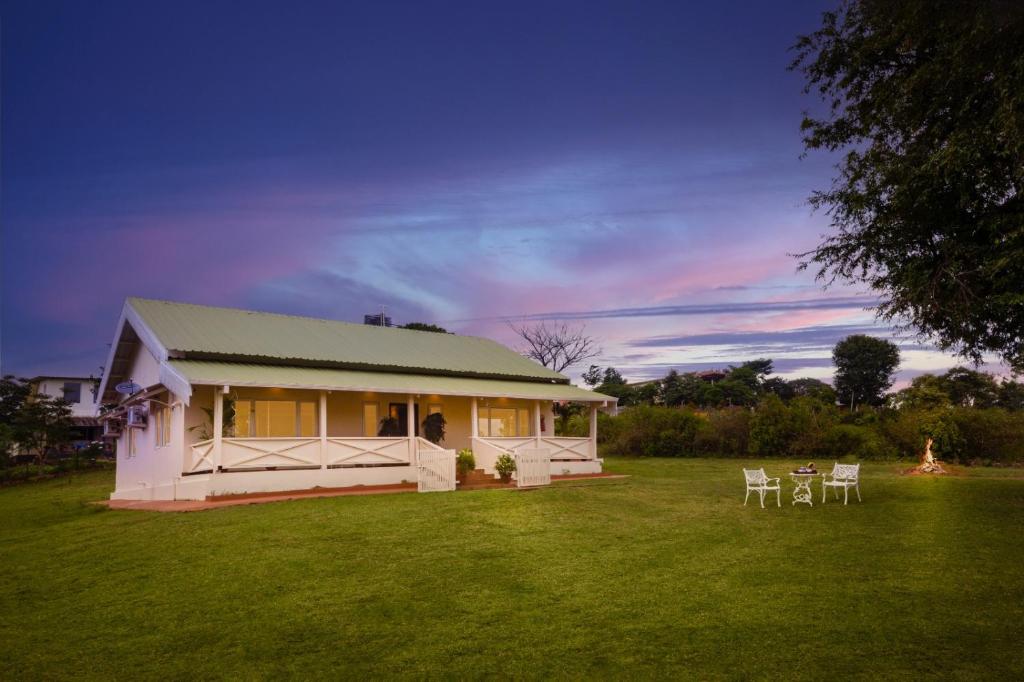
807, 429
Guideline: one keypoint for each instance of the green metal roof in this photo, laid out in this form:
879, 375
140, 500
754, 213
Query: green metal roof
204, 332
200, 372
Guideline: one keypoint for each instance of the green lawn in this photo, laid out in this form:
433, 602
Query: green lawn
663, 573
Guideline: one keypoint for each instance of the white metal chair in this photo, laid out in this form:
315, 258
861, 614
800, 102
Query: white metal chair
758, 482
843, 476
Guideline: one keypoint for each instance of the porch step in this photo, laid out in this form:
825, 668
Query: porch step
478, 478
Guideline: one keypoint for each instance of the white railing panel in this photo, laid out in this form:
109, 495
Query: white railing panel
259, 453
436, 470
533, 467
201, 458
511, 443
361, 451
486, 454
570, 448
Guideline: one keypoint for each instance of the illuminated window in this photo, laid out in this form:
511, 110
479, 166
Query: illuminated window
370, 419
307, 419
503, 422
243, 419
275, 419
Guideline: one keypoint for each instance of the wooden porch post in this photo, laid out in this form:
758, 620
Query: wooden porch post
474, 427
218, 425
593, 431
322, 423
410, 426
536, 422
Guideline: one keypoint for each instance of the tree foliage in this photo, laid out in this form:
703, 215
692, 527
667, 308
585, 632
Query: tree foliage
864, 368
425, 327
925, 101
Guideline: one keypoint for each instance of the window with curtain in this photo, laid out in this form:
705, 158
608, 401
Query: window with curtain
162, 424
275, 419
503, 422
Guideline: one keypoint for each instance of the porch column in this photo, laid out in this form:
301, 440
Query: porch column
322, 423
218, 425
593, 431
410, 426
536, 422
474, 418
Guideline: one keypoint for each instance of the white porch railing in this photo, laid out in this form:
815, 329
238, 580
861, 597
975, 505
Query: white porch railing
436, 470
486, 452
366, 451
261, 453
201, 458
533, 467
570, 448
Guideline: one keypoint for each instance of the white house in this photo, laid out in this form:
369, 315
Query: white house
219, 401
81, 394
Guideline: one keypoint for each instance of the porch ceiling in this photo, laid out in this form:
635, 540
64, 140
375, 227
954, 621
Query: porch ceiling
204, 372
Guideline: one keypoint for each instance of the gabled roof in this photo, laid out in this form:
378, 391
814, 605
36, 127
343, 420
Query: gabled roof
176, 332
206, 332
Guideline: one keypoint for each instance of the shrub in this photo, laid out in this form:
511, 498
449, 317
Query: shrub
858, 442
651, 431
771, 428
991, 434
505, 465
724, 432
465, 461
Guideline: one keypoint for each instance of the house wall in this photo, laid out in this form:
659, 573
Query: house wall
54, 387
145, 471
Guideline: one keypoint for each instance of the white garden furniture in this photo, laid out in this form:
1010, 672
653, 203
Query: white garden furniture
843, 476
758, 482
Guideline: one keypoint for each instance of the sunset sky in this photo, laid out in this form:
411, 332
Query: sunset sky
634, 167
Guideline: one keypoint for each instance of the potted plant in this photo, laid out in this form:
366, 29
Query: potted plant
505, 465
433, 428
464, 463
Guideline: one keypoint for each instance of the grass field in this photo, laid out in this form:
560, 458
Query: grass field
664, 573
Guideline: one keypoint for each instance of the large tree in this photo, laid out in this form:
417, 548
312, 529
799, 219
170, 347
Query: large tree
924, 99
864, 369
556, 345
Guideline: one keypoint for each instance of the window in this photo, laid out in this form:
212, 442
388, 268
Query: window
275, 419
162, 425
72, 392
503, 422
370, 420
131, 442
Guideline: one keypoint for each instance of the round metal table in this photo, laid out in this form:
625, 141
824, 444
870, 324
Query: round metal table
802, 492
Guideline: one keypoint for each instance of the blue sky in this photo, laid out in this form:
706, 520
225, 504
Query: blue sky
634, 167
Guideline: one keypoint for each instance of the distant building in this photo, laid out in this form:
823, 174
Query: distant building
374, 320
81, 394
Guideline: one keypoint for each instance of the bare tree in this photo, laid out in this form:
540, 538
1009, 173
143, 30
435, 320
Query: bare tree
556, 345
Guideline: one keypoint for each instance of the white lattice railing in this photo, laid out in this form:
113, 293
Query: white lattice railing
569, 448
262, 453
367, 451
435, 470
486, 453
201, 458
533, 467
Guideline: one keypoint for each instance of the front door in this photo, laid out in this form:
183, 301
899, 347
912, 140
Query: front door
400, 412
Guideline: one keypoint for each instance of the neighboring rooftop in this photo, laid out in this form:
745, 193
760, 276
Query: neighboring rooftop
199, 332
